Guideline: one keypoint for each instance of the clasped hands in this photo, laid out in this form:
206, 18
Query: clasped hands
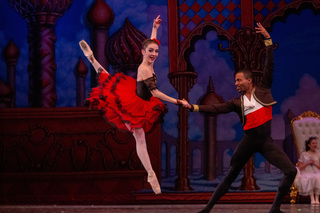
184, 103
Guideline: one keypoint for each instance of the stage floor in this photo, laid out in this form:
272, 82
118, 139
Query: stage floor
225, 208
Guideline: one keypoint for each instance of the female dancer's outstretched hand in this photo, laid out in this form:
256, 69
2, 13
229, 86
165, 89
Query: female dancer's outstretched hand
157, 22
184, 103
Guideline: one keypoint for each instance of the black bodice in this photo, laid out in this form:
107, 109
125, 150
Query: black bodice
144, 87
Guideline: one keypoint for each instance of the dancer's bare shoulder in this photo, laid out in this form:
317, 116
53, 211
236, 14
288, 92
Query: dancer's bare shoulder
144, 72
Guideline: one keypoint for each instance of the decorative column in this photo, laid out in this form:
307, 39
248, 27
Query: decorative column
210, 132
183, 81
100, 17
289, 146
81, 72
248, 181
5, 95
41, 17
11, 54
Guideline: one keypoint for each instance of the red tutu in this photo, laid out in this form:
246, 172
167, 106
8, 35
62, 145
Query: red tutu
116, 98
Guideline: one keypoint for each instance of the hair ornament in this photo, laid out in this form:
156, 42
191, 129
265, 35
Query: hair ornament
156, 40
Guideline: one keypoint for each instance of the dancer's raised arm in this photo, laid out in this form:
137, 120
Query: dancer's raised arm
156, 25
260, 29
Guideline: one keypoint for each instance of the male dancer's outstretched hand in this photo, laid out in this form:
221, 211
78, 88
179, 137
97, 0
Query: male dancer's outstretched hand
260, 29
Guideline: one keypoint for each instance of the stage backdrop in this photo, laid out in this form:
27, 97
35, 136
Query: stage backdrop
296, 76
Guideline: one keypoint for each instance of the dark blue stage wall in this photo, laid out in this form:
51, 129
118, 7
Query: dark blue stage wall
296, 76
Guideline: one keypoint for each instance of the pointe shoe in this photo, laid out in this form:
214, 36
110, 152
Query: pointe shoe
152, 179
86, 50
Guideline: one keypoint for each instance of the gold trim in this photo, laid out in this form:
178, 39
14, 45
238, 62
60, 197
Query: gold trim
293, 194
306, 114
195, 108
260, 102
268, 42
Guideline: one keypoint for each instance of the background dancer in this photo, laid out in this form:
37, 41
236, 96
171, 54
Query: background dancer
308, 177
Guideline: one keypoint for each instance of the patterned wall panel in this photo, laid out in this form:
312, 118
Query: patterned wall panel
225, 13
264, 8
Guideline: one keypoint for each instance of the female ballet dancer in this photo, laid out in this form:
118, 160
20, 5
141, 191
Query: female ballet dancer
132, 104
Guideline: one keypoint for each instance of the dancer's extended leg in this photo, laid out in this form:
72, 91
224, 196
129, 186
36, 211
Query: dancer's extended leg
239, 158
142, 152
89, 54
278, 158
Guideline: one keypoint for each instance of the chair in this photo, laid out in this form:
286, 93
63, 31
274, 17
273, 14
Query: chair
304, 126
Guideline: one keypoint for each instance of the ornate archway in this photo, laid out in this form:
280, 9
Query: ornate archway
234, 20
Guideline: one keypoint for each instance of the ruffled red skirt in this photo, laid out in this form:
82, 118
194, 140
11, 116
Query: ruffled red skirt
116, 98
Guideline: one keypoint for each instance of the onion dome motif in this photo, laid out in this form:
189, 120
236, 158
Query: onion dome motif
100, 14
35, 10
81, 68
11, 52
123, 49
210, 97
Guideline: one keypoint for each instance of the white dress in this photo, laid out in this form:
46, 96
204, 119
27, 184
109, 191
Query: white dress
308, 179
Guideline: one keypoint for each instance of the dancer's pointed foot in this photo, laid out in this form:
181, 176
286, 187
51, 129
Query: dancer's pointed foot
86, 50
152, 179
